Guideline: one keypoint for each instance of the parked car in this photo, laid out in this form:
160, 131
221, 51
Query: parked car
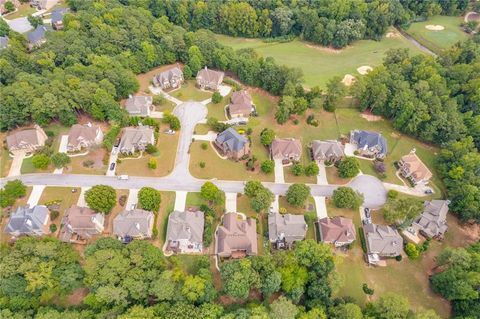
368, 216
428, 191
123, 177
170, 132
112, 166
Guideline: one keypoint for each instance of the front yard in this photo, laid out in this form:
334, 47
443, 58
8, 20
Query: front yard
92, 163
190, 92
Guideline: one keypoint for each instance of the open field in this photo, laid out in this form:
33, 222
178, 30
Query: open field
437, 41
319, 64
189, 92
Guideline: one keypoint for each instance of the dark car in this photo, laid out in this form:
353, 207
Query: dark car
112, 166
368, 216
428, 191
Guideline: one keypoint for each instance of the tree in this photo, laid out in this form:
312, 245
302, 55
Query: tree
239, 277
391, 306
172, 120
397, 211
346, 197
35, 21
260, 196
211, 192
149, 199
9, 6
216, 97
40, 161
412, 251
297, 194
297, 169
101, 198
312, 169
151, 149
335, 92
60, 160
12, 190
283, 308
346, 311
267, 136
152, 163
349, 167
268, 166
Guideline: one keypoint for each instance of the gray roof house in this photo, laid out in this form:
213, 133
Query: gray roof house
3, 42
285, 229
29, 221
232, 144
80, 223
136, 139
433, 220
185, 231
37, 37
139, 105
209, 79
133, 224
57, 18
382, 241
171, 78
331, 151
369, 144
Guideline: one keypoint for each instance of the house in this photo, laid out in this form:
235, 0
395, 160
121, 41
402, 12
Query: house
135, 139
29, 221
28, 140
339, 231
36, 37
133, 224
237, 237
328, 151
80, 224
412, 168
240, 105
3, 42
83, 136
286, 149
43, 4
185, 231
284, 229
171, 78
209, 79
57, 18
369, 144
232, 144
382, 241
139, 105
432, 222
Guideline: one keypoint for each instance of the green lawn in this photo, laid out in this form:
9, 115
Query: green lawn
23, 10
189, 92
166, 207
5, 159
437, 41
218, 110
320, 64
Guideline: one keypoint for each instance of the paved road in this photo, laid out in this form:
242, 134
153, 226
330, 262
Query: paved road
372, 189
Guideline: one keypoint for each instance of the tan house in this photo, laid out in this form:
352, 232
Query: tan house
432, 222
382, 241
136, 139
232, 144
338, 230
237, 237
133, 224
80, 224
28, 140
171, 78
139, 105
241, 104
286, 149
412, 168
83, 136
330, 151
209, 79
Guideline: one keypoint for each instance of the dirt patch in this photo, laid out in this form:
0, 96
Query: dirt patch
85, 119
370, 117
326, 49
77, 297
395, 135
348, 80
434, 27
392, 35
364, 69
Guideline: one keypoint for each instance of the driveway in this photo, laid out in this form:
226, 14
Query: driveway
113, 159
81, 199
279, 177
320, 206
35, 195
20, 25
350, 149
372, 188
231, 202
276, 204
16, 167
132, 198
224, 90
209, 137
63, 144
158, 91
156, 115
180, 201
322, 174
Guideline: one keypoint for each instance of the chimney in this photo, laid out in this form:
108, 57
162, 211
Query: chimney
89, 124
137, 226
413, 151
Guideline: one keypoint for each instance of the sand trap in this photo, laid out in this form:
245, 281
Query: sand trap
435, 27
392, 35
370, 117
348, 80
364, 69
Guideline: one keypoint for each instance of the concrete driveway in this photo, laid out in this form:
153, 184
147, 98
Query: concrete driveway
372, 188
16, 167
81, 199
113, 159
180, 201
276, 204
322, 174
63, 144
224, 90
209, 137
158, 91
156, 115
20, 25
350, 149
279, 177
231, 202
320, 206
132, 198
35, 195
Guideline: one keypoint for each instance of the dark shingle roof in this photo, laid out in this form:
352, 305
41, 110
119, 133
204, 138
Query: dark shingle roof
37, 35
232, 139
370, 139
57, 15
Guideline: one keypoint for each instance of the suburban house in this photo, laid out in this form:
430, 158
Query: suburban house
43, 4
237, 237
369, 144
139, 105
36, 37
185, 231
80, 224
232, 144
83, 136
412, 168
328, 151
29, 221
171, 78
432, 222
28, 140
240, 105
3, 42
382, 241
57, 18
337, 230
209, 79
135, 139
133, 224
286, 149
284, 229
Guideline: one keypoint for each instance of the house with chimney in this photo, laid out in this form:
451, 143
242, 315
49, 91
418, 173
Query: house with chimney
83, 136
231, 144
432, 222
328, 151
133, 224
185, 231
80, 223
31, 221
139, 105
136, 139
28, 140
285, 229
369, 144
286, 149
169, 79
240, 104
382, 241
412, 168
236, 237
208, 79
337, 230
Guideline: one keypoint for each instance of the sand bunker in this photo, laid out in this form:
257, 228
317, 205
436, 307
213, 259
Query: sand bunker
364, 69
392, 35
348, 79
435, 27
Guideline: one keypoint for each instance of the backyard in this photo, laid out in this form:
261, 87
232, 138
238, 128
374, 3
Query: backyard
189, 92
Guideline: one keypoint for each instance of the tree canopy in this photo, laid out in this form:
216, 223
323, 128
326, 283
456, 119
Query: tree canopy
149, 199
101, 198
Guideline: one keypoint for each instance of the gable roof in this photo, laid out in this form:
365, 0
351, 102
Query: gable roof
186, 225
210, 76
383, 240
282, 147
79, 133
433, 219
27, 220
231, 139
370, 139
241, 103
237, 235
416, 167
133, 136
57, 14
133, 223
79, 218
327, 149
33, 136
138, 104
289, 227
168, 74
337, 229
37, 35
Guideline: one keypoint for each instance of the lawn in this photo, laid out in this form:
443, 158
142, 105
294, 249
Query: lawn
108, 230
189, 92
61, 196
333, 178
166, 207
145, 79
28, 168
319, 64
437, 41
5, 159
97, 155
218, 110
202, 129
304, 160
23, 10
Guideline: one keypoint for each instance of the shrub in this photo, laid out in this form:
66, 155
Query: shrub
412, 251
346, 197
150, 149
53, 228
363, 243
202, 164
392, 194
110, 137
54, 214
249, 131
88, 163
398, 258
204, 146
122, 200
296, 121
268, 166
367, 290
40, 161
152, 163
267, 136
159, 100
297, 169
312, 169
60, 160
171, 120
348, 167
216, 97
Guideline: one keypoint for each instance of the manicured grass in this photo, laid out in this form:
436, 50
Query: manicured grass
23, 10
62, 194
5, 159
145, 79
333, 178
166, 207
304, 160
202, 129
320, 64
437, 41
28, 168
189, 92
309, 203
97, 155
218, 110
